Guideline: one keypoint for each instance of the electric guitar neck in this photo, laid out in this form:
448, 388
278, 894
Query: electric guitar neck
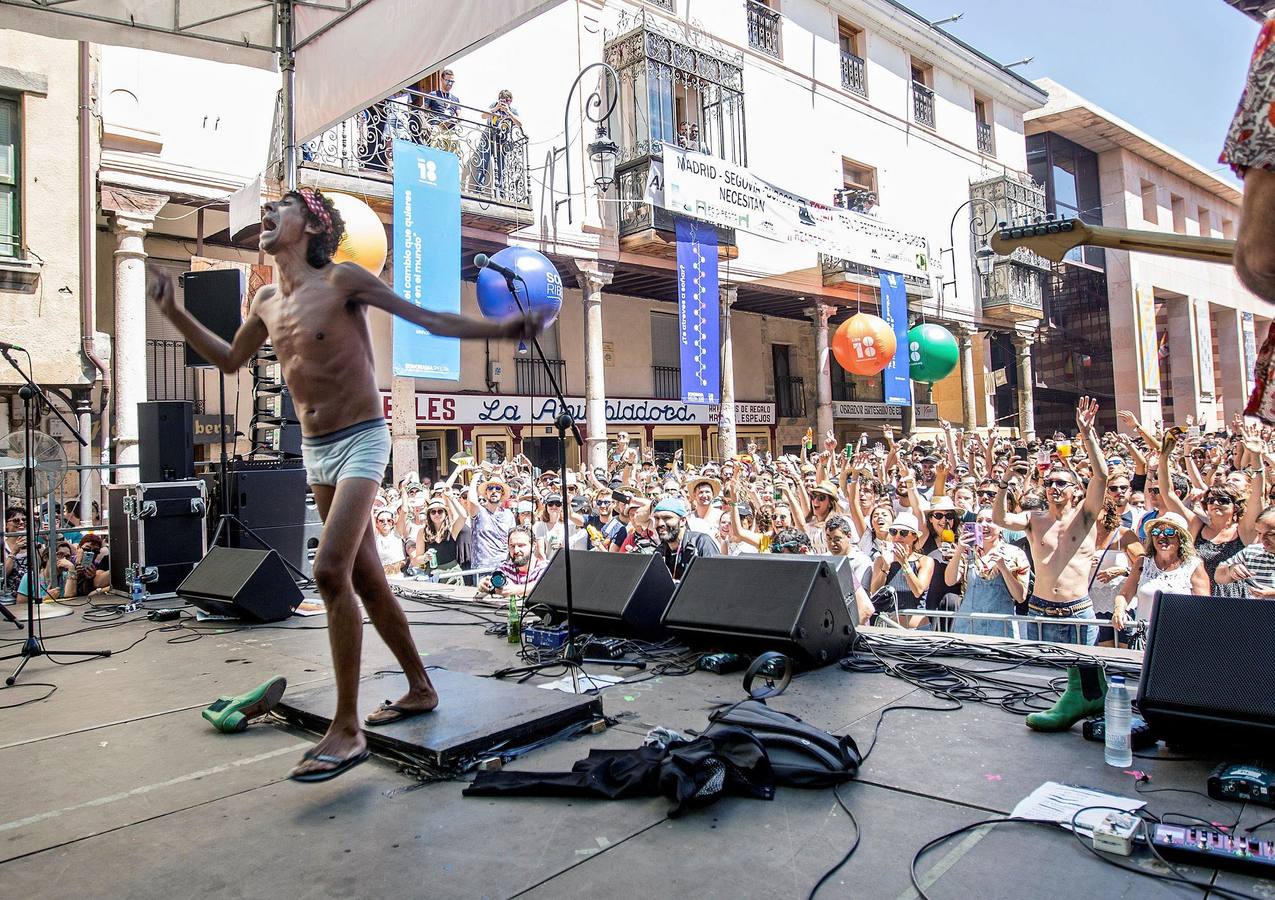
1053, 239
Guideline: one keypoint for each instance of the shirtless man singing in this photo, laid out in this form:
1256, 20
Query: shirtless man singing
316, 318
1063, 539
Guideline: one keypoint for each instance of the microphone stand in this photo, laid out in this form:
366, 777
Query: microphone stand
32, 398
564, 422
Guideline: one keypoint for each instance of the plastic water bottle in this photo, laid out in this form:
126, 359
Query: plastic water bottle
1118, 750
139, 595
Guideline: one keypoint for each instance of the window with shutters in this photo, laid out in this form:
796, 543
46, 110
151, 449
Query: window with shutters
10, 153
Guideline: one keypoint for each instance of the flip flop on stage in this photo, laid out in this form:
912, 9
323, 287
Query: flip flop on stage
388, 713
339, 766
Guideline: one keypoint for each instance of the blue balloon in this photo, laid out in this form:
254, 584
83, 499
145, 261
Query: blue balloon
543, 287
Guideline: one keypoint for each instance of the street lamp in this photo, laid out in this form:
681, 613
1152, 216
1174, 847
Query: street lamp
981, 230
603, 151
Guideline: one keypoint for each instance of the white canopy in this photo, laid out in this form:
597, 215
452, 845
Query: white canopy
348, 52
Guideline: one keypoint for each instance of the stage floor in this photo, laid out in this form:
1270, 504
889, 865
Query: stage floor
115, 787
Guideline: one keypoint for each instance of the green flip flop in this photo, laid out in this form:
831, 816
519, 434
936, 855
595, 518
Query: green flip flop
232, 714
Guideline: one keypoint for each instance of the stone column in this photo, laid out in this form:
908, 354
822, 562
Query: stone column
593, 276
969, 411
820, 313
1026, 382
726, 441
404, 450
1190, 364
1230, 357
134, 215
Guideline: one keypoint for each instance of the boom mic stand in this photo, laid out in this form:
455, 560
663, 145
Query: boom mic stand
33, 646
563, 423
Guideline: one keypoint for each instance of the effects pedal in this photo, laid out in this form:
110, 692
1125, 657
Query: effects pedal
604, 648
1239, 782
546, 637
1214, 849
1116, 833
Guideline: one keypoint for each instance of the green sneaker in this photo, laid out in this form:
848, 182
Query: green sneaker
1085, 696
231, 714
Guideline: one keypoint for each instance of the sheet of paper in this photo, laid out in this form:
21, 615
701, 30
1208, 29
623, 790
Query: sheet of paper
1060, 802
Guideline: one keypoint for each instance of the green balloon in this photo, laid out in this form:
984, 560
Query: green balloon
932, 353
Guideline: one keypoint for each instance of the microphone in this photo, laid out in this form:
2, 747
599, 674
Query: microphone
5, 347
483, 261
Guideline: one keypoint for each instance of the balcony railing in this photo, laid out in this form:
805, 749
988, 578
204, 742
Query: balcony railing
922, 105
530, 376
852, 74
790, 397
492, 151
666, 382
985, 139
168, 378
763, 29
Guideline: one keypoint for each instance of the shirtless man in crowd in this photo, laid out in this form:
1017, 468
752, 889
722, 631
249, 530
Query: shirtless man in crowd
1063, 538
316, 318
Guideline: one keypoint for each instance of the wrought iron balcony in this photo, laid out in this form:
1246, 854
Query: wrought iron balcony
167, 376
922, 105
790, 397
763, 29
853, 77
666, 382
1013, 292
530, 376
492, 151
837, 271
985, 139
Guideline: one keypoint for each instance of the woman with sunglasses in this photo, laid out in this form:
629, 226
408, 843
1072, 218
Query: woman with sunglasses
904, 568
994, 575
548, 530
446, 520
1169, 566
1222, 528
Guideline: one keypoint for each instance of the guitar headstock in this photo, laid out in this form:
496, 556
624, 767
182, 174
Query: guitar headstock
1052, 238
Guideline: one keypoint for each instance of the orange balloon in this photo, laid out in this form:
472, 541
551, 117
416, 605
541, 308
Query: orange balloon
864, 344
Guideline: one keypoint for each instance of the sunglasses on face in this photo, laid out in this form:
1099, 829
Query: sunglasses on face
899, 532
554, 503
1165, 531
1057, 483
384, 521
987, 494
943, 515
437, 512
1220, 501
1153, 490
1117, 488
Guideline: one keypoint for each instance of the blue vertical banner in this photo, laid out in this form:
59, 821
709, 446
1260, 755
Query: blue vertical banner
698, 314
426, 256
894, 309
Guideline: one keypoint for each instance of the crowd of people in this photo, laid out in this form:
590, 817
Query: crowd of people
82, 562
1085, 526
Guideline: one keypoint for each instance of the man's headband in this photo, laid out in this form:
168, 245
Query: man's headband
316, 206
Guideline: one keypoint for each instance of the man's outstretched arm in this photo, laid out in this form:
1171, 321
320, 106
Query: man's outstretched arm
365, 287
229, 358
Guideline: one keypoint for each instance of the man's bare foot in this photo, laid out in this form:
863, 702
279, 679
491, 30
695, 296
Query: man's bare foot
335, 745
415, 702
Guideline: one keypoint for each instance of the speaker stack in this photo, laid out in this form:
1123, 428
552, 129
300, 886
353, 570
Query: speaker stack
275, 427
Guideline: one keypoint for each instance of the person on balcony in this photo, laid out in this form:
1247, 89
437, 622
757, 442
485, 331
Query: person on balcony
503, 127
442, 110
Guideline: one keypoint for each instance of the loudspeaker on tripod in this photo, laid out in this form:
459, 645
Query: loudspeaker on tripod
213, 298
791, 604
253, 585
